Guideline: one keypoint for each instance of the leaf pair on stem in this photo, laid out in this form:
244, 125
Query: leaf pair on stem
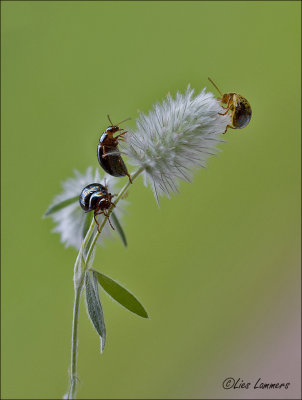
116, 291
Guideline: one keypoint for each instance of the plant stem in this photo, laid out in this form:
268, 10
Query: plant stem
78, 279
120, 195
80, 268
74, 342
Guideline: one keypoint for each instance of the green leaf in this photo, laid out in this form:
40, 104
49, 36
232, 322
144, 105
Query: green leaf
56, 207
87, 222
119, 229
121, 295
94, 307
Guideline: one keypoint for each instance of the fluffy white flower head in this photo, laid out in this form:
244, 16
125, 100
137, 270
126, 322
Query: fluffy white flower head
70, 220
175, 137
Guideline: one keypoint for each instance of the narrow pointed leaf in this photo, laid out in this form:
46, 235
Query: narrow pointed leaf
57, 207
121, 295
94, 308
87, 222
119, 228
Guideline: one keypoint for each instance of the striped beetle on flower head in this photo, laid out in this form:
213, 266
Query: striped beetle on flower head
95, 197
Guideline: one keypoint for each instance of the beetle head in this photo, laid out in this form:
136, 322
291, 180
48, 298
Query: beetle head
226, 97
105, 202
113, 129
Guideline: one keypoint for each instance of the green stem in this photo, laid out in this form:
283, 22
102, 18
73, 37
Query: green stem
120, 195
78, 278
74, 342
80, 268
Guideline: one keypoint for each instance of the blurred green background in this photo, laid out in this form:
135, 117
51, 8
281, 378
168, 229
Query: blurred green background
217, 266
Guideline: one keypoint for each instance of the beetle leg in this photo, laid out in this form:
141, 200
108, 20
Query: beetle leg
98, 212
121, 134
119, 139
228, 105
104, 152
97, 224
227, 110
106, 215
228, 126
111, 153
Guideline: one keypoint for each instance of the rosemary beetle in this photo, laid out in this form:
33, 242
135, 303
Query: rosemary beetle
95, 197
108, 153
240, 108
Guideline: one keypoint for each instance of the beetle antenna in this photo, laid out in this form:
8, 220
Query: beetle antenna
215, 86
124, 120
109, 120
106, 184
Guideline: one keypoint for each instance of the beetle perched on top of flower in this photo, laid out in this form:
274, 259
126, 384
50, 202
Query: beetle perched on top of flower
108, 153
240, 108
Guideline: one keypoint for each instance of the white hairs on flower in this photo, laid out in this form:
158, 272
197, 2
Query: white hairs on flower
70, 219
175, 137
